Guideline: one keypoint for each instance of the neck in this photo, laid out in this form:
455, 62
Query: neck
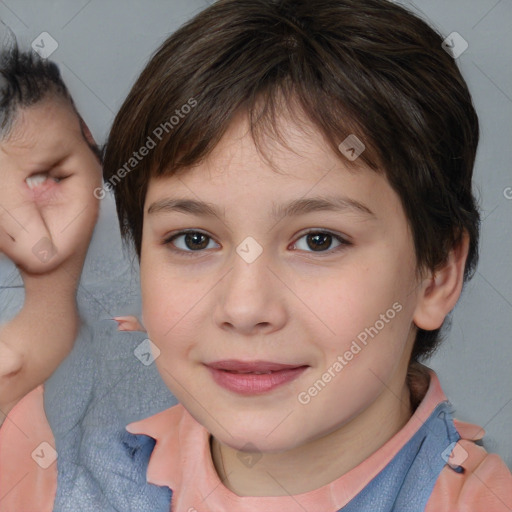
322, 460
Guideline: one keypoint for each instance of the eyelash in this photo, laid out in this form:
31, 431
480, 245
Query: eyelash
344, 243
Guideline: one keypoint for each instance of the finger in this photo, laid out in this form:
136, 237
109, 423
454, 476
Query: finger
128, 323
26, 239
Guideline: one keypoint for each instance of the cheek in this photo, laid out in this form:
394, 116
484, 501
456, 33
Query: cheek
80, 186
92, 178
366, 304
168, 303
344, 303
158, 303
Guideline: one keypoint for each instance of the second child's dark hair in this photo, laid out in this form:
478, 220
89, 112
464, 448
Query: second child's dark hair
27, 79
363, 67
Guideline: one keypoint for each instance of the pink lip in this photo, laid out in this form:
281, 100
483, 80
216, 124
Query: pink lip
245, 378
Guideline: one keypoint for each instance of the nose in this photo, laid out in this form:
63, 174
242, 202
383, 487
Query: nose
250, 300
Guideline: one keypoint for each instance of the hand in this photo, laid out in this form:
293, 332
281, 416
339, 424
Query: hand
24, 235
129, 323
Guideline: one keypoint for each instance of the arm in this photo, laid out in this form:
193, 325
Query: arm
34, 342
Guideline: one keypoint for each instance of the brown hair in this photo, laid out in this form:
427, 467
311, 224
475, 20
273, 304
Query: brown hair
368, 68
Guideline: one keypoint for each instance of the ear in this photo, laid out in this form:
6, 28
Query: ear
86, 132
440, 291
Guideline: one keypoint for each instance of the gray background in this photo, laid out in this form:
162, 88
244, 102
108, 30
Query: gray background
103, 45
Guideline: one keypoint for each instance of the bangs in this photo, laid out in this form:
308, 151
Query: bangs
284, 90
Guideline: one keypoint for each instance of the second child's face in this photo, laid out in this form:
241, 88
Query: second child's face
281, 302
48, 170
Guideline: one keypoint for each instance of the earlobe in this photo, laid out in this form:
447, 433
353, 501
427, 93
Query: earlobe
441, 290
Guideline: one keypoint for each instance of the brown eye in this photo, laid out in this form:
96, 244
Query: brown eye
196, 241
190, 241
320, 241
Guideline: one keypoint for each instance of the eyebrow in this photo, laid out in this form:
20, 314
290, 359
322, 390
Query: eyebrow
49, 162
294, 208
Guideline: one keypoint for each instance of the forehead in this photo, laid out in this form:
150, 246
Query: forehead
295, 153
295, 142
301, 165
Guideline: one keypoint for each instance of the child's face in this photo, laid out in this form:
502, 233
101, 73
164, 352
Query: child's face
46, 145
304, 302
